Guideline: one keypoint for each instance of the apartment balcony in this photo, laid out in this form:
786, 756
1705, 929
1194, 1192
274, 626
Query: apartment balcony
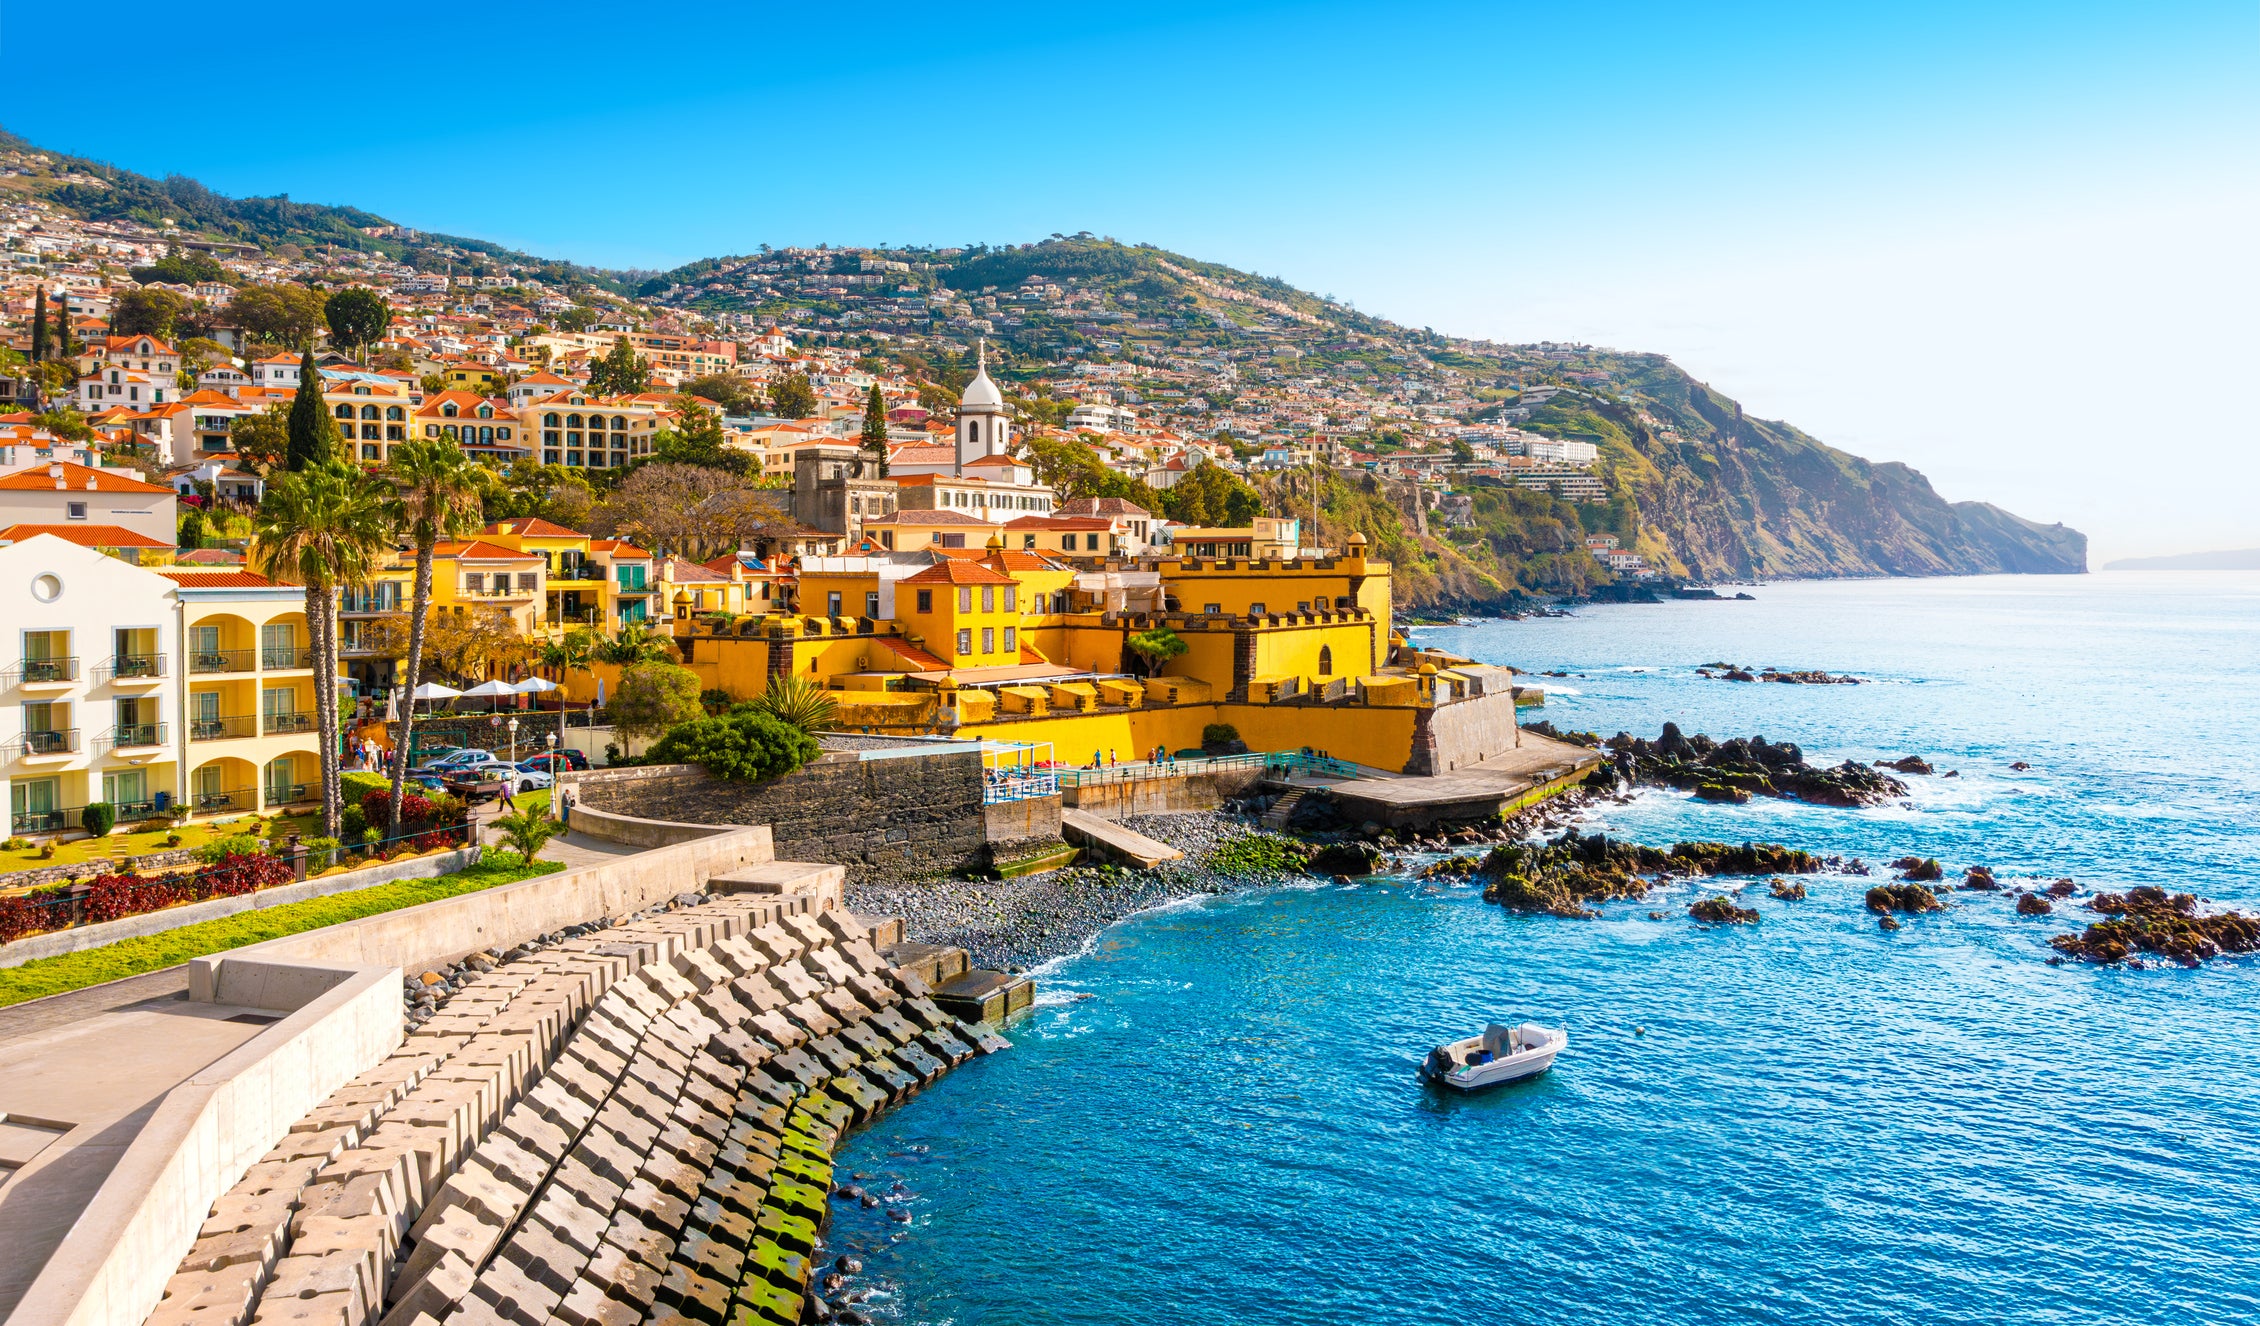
37, 672
206, 662
586, 617
131, 670
284, 725
45, 821
276, 658
501, 592
217, 803
48, 744
222, 729
132, 737
288, 794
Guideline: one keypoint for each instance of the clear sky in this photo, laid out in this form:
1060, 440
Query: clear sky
2010, 244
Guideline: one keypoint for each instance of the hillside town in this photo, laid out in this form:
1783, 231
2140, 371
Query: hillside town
734, 499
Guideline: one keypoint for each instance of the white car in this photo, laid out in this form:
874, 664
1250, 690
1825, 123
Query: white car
519, 777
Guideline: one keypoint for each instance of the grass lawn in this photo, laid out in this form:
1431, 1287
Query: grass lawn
120, 844
131, 957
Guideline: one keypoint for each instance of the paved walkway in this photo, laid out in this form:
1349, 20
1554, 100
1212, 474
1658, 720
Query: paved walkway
1468, 791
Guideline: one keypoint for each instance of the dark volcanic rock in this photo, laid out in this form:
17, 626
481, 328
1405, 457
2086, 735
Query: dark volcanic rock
1346, 859
2032, 904
1786, 891
1752, 765
1980, 878
1732, 796
2150, 920
1721, 910
1903, 898
1562, 877
1922, 870
1914, 764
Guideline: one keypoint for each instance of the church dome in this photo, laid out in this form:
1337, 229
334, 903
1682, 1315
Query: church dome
981, 394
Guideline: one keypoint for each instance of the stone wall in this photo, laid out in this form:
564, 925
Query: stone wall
1451, 736
908, 816
1116, 799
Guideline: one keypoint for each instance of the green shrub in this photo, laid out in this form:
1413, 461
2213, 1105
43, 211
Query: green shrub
1257, 854
797, 702
742, 746
358, 785
1216, 734
321, 853
526, 831
220, 849
352, 822
99, 818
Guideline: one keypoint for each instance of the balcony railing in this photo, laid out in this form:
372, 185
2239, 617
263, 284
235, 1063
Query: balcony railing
222, 729
127, 736
53, 741
43, 672
285, 656
282, 724
286, 794
351, 601
132, 668
205, 661
212, 803
45, 821
586, 617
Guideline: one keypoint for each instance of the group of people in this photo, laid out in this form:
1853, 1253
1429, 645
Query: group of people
365, 752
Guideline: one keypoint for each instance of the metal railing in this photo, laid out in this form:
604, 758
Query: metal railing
1271, 764
286, 794
132, 667
1001, 785
222, 729
285, 656
45, 821
586, 617
43, 672
128, 735
211, 803
54, 741
205, 661
285, 724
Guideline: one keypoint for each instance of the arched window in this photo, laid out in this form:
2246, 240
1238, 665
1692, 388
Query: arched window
620, 423
572, 421
395, 413
368, 411
549, 420
345, 412
1326, 660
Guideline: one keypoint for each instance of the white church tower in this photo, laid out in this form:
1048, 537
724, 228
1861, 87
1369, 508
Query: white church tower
982, 426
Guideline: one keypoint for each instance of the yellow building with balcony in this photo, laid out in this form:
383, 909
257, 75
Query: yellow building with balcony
600, 584
248, 691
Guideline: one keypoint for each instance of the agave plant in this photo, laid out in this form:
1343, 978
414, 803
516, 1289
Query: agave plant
800, 703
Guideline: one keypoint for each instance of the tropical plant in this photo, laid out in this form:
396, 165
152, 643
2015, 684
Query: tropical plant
636, 643
527, 831
796, 702
743, 745
324, 527
576, 650
654, 697
623, 372
437, 490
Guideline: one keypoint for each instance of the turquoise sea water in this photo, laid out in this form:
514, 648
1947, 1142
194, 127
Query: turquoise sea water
1213, 1115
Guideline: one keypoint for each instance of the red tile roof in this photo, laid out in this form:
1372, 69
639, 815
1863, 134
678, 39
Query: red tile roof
533, 527
40, 478
86, 536
913, 655
192, 579
954, 572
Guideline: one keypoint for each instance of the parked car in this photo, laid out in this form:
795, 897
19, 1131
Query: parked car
455, 760
517, 777
532, 776
553, 760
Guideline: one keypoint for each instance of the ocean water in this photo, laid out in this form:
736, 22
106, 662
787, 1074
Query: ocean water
1212, 1116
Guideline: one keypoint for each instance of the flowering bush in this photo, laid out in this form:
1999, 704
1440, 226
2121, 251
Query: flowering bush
33, 912
242, 874
112, 896
425, 842
415, 807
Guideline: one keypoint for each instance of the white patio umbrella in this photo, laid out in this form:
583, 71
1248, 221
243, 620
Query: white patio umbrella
491, 689
432, 690
537, 686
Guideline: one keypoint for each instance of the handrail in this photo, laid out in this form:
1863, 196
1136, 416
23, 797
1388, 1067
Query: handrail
285, 656
43, 672
132, 667
1278, 764
46, 741
223, 729
201, 661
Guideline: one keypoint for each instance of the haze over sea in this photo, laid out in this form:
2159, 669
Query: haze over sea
1212, 1116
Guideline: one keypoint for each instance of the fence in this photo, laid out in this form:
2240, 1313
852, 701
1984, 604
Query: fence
1272, 764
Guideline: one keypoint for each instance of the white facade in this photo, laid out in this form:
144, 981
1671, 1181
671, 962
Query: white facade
88, 678
983, 427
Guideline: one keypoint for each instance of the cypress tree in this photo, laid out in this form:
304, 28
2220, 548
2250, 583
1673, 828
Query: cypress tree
39, 326
875, 426
313, 434
63, 347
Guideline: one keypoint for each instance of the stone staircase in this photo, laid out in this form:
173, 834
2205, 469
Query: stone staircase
1283, 810
634, 1125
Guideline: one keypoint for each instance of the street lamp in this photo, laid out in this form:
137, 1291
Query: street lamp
513, 739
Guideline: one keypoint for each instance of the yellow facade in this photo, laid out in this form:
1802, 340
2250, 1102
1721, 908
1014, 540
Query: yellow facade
963, 613
249, 698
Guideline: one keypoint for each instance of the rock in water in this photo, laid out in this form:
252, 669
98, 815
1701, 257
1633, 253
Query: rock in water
2032, 904
1786, 891
1922, 870
1887, 922
1981, 879
1914, 764
1346, 859
1888, 898
1721, 910
1732, 796
2150, 920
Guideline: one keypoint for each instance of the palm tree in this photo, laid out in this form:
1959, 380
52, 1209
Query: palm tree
577, 649
325, 528
527, 830
437, 498
636, 643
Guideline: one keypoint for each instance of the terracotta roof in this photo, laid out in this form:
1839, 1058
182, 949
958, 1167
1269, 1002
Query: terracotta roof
900, 517
913, 655
39, 478
954, 572
533, 527
1102, 506
193, 579
86, 536
211, 557
619, 548
479, 550
684, 571
1020, 559
1059, 522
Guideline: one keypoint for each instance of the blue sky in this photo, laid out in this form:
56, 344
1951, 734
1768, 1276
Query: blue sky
1955, 235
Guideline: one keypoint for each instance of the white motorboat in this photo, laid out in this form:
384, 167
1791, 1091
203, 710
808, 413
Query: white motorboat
1500, 1054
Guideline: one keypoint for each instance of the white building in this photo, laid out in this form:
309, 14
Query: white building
63, 494
983, 426
1561, 451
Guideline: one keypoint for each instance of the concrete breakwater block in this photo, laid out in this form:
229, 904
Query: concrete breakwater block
633, 1128
934, 964
985, 996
